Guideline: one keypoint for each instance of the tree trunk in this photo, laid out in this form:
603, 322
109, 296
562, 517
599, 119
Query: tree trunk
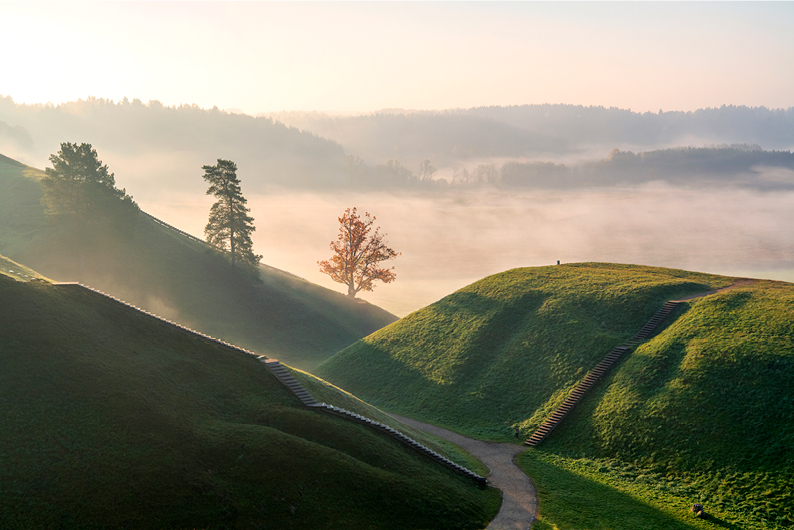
231, 244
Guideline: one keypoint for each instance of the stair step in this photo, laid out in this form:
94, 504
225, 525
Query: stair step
595, 375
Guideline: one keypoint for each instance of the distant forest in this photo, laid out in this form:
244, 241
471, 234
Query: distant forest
152, 142
150, 145
541, 131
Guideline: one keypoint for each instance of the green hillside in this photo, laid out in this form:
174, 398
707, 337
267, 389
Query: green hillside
702, 412
111, 420
504, 350
181, 279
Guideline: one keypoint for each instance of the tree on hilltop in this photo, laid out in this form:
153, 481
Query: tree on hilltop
229, 227
357, 254
79, 187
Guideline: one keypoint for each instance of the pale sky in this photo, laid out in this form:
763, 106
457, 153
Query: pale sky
365, 56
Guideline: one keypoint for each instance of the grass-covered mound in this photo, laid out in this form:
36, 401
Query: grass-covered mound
178, 278
110, 420
703, 412
505, 350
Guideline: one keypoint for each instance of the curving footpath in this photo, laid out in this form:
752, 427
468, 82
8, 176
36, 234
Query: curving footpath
520, 501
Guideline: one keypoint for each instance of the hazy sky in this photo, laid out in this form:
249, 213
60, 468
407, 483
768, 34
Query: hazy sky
270, 56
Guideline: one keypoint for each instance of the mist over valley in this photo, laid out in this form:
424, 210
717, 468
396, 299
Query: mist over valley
397, 265
499, 187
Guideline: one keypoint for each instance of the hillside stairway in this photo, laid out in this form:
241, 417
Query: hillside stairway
653, 323
306, 398
286, 378
597, 373
289, 381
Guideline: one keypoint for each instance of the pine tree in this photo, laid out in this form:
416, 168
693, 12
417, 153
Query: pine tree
229, 227
80, 188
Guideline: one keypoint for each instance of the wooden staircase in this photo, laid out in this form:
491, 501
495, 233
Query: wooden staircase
653, 323
596, 374
289, 381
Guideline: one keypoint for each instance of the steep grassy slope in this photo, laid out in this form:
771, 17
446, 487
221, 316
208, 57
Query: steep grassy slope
181, 279
703, 412
110, 420
503, 351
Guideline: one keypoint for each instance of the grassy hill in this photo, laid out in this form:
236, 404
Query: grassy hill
110, 420
164, 272
499, 353
703, 412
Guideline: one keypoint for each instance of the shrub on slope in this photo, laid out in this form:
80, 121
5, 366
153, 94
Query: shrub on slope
164, 272
503, 351
111, 420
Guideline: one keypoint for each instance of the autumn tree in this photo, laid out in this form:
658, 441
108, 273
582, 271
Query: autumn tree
229, 227
357, 252
79, 188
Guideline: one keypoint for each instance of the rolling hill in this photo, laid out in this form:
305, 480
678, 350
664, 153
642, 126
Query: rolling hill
703, 411
161, 270
111, 420
486, 358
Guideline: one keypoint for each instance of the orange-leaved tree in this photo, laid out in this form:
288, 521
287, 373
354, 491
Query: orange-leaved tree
357, 252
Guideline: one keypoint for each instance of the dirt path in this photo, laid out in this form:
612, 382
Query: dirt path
520, 500
739, 283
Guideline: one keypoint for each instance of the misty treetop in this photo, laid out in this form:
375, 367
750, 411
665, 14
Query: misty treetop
229, 227
79, 187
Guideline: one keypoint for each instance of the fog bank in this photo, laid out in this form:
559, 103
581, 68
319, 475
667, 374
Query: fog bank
452, 239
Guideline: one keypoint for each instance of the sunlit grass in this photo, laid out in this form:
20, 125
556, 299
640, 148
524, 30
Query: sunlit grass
14, 270
488, 357
702, 412
706, 405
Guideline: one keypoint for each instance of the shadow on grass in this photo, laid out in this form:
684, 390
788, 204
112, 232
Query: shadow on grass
575, 502
721, 523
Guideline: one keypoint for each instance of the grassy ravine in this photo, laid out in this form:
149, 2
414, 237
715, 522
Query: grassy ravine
501, 352
110, 420
159, 270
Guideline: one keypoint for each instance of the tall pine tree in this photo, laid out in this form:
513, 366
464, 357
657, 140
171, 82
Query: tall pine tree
229, 227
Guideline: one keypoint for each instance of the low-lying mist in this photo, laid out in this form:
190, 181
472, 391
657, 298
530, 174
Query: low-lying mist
451, 239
